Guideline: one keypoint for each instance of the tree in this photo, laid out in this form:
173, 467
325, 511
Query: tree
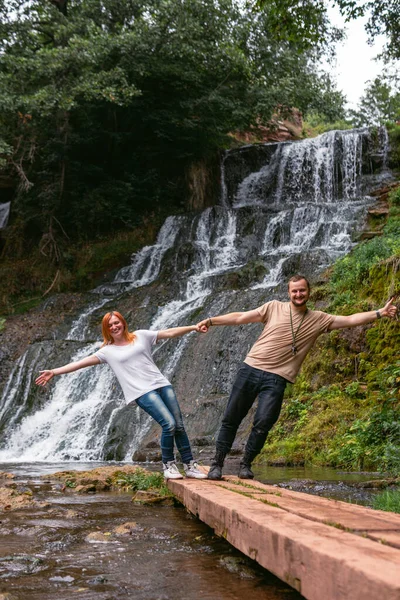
383, 19
303, 22
307, 20
379, 104
107, 103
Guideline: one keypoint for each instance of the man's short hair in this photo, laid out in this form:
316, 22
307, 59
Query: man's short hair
298, 277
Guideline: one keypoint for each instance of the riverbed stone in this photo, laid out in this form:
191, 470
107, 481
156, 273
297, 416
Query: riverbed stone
11, 499
125, 528
99, 536
149, 497
86, 489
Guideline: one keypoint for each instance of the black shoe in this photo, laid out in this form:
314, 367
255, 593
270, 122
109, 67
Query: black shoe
215, 472
217, 463
245, 472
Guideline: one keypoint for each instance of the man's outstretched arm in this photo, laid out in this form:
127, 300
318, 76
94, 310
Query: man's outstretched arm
340, 322
235, 318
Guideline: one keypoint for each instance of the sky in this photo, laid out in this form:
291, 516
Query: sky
354, 62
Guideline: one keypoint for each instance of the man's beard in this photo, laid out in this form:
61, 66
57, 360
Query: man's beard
300, 302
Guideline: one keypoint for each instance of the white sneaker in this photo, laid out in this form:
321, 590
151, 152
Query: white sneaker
171, 470
192, 470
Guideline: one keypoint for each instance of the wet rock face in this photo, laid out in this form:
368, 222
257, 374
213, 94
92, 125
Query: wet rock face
239, 164
52, 319
285, 208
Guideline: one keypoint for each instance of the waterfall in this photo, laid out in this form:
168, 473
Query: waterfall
284, 208
224, 192
215, 244
146, 263
215, 252
4, 214
384, 145
144, 269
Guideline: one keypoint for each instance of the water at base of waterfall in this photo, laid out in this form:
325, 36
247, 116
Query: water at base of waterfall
75, 546
69, 545
323, 481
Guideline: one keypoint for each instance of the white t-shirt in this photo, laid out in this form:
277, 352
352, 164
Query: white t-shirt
133, 365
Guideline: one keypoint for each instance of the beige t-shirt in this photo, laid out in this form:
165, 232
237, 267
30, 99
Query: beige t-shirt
273, 350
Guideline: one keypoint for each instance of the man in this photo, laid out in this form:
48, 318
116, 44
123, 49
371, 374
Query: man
290, 330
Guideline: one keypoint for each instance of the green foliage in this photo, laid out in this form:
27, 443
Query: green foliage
379, 104
342, 426
300, 21
371, 442
315, 123
106, 105
307, 20
383, 19
5, 152
298, 411
394, 197
394, 139
352, 270
388, 500
142, 480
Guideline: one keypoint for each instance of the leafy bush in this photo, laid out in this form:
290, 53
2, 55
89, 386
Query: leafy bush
394, 196
316, 123
394, 138
353, 269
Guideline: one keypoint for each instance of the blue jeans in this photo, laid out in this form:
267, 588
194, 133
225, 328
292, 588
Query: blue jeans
249, 384
163, 406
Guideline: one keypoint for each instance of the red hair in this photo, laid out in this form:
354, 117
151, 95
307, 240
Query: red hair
105, 328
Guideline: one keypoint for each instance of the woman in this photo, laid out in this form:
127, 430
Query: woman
129, 356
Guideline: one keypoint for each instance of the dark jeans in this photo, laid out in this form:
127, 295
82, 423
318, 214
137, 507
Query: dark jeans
249, 384
163, 406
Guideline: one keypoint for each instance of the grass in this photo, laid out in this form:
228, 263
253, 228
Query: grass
141, 480
388, 500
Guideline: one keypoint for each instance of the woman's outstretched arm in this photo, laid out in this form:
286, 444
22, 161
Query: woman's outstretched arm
48, 374
178, 331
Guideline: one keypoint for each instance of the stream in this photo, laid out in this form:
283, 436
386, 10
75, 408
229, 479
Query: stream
104, 547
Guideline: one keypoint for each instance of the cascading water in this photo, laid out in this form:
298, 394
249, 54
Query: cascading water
214, 242
146, 264
4, 214
144, 268
284, 208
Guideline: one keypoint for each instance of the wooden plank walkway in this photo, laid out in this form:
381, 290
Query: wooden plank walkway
325, 549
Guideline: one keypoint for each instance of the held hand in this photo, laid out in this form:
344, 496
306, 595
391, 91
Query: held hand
203, 325
44, 377
389, 310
